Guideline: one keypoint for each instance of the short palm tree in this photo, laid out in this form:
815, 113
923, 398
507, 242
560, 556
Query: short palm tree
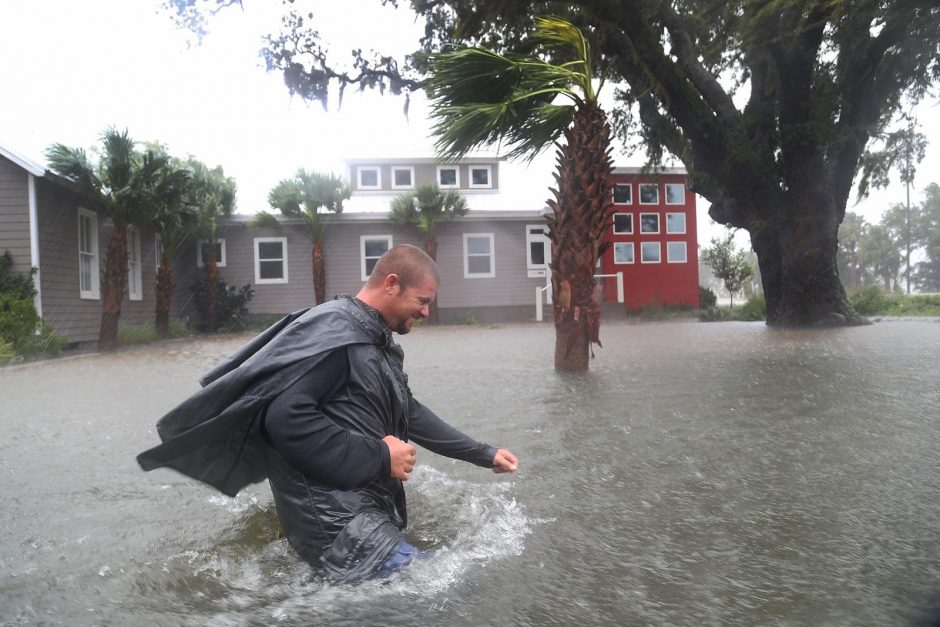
122, 185
425, 208
303, 197
479, 97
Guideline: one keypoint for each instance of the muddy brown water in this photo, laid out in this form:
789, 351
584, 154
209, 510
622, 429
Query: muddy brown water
719, 474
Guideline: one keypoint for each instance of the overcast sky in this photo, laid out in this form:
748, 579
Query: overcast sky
71, 69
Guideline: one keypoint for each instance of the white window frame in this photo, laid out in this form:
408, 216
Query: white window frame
489, 177
681, 195
456, 170
378, 177
676, 213
157, 250
542, 238
613, 225
659, 251
93, 291
654, 185
629, 187
466, 256
220, 262
135, 279
411, 174
685, 252
362, 251
624, 245
658, 225
257, 246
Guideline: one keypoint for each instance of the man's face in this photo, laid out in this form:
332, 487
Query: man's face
410, 304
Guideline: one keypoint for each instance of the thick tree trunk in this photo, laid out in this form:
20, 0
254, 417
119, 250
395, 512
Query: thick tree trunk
799, 270
582, 209
431, 248
212, 294
115, 282
164, 297
319, 272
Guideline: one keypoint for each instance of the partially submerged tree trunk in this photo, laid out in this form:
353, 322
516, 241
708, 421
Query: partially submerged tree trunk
114, 284
431, 248
319, 272
582, 209
164, 297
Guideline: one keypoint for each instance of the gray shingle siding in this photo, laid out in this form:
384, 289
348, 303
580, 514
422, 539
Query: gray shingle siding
14, 214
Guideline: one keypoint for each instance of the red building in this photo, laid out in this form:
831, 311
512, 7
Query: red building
654, 240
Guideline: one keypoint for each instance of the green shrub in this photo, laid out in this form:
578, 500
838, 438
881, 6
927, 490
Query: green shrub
706, 298
22, 331
713, 314
870, 300
466, 319
754, 309
232, 312
129, 335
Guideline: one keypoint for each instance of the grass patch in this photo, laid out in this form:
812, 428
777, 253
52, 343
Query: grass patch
873, 301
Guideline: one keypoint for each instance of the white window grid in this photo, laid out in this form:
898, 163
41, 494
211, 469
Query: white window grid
456, 171
676, 252
411, 177
677, 217
489, 176
201, 248
135, 289
363, 259
622, 232
643, 229
622, 186
675, 194
647, 254
467, 255
268, 260
88, 270
624, 253
537, 234
368, 168
645, 188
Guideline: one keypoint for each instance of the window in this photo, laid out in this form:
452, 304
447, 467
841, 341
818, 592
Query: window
649, 223
270, 260
675, 252
650, 252
403, 177
478, 258
204, 253
675, 194
448, 176
135, 289
623, 194
369, 177
88, 273
649, 194
623, 252
480, 176
157, 250
371, 247
675, 223
538, 247
623, 223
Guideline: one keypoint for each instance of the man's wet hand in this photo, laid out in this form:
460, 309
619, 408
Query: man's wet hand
505, 461
402, 456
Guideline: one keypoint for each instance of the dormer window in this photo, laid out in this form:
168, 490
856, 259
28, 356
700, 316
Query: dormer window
480, 176
368, 177
448, 176
403, 177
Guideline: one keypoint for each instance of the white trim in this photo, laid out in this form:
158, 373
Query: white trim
659, 251
542, 238
94, 289
220, 262
34, 242
378, 177
456, 169
668, 185
640, 193
658, 225
27, 164
404, 168
624, 245
629, 187
135, 278
613, 224
685, 252
283, 259
489, 177
157, 250
491, 255
676, 213
362, 251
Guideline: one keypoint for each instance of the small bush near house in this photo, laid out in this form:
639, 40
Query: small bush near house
754, 309
706, 298
19, 321
232, 312
870, 301
466, 319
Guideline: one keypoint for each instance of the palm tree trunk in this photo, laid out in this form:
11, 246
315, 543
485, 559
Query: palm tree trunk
430, 247
115, 282
319, 272
164, 297
582, 210
212, 293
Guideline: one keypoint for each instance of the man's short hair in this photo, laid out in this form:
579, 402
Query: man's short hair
410, 263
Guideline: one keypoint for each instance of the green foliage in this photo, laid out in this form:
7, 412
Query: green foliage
754, 309
706, 298
466, 319
873, 301
304, 196
869, 301
22, 331
233, 304
427, 206
729, 265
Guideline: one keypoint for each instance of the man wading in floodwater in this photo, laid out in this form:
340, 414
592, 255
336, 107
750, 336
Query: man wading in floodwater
320, 405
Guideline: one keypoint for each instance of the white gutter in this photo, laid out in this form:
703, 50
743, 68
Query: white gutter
34, 242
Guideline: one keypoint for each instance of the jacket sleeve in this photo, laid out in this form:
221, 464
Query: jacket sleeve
426, 429
312, 443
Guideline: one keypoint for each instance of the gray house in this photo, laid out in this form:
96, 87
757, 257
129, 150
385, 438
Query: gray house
46, 224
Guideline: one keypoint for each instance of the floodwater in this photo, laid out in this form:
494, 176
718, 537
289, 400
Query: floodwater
717, 474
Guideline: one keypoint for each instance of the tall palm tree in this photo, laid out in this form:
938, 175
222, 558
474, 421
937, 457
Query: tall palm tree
425, 208
480, 97
303, 197
121, 184
213, 196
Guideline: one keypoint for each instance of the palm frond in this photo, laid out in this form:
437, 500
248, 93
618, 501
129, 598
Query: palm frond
264, 219
74, 165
